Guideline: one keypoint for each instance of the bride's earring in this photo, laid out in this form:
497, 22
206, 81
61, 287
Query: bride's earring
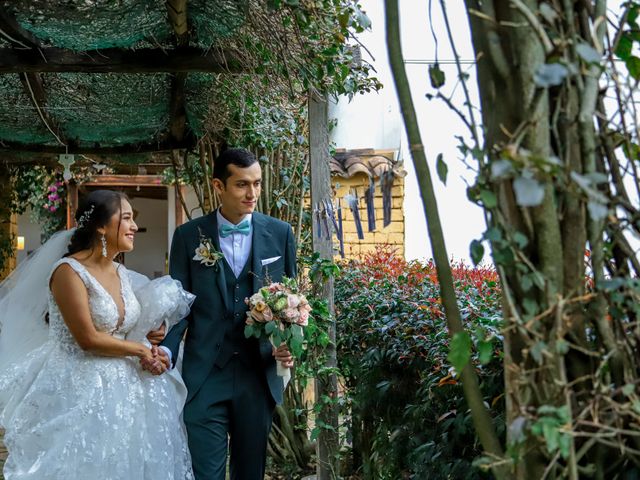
104, 246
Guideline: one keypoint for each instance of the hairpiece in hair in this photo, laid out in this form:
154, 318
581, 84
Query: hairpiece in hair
84, 218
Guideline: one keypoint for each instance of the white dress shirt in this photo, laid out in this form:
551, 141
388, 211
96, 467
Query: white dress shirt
236, 247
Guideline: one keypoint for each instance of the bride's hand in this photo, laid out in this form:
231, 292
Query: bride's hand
151, 363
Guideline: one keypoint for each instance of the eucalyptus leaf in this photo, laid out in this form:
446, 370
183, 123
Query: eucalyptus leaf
550, 75
501, 169
597, 210
529, 191
548, 13
588, 53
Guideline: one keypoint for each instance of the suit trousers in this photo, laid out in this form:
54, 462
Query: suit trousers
233, 410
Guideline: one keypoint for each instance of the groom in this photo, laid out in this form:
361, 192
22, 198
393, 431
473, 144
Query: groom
231, 380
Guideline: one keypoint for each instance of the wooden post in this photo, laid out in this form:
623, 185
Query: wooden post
7, 226
326, 385
72, 204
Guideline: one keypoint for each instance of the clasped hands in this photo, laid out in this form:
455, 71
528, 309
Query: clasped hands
158, 362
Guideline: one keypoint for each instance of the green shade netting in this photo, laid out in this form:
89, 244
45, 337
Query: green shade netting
19, 121
108, 108
93, 24
102, 108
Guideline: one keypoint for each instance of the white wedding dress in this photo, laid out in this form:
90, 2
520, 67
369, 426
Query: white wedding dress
69, 414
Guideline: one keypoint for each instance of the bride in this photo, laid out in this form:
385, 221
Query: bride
74, 400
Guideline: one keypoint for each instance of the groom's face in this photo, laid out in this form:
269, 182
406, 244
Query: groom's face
239, 194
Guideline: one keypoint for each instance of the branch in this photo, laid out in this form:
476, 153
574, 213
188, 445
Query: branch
481, 418
535, 25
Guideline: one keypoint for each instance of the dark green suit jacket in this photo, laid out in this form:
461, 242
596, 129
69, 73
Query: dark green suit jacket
206, 324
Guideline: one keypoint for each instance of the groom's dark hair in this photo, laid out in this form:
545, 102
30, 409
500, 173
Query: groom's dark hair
233, 156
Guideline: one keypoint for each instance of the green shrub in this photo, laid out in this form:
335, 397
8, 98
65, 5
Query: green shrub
407, 416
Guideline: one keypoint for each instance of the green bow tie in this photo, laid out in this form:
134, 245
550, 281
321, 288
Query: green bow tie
243, 228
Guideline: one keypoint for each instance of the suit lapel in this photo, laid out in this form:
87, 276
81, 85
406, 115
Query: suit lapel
210, 229
261, 239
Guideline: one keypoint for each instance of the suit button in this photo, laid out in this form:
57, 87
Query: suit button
237, 286
236, 300
217, 346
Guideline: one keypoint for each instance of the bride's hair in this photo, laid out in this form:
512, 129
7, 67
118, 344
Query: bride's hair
94, 212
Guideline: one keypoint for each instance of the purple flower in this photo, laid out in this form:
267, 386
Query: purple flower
53, 208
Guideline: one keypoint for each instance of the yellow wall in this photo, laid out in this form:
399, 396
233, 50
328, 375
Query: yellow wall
392, 234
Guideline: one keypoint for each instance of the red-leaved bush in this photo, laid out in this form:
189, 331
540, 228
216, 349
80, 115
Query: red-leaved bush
408, 417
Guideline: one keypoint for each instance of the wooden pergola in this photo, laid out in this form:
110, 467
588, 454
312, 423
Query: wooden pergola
30, 58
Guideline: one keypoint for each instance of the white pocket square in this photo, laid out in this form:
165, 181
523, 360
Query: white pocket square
267, 261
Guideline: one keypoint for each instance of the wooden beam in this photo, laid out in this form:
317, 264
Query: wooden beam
11, 30
126, 181
177, 10
117, 60
161, 146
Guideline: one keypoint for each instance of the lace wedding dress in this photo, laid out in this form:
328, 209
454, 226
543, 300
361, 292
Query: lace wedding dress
69, 414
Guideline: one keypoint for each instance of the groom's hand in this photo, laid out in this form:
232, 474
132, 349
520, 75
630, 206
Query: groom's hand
156, 336
283, 355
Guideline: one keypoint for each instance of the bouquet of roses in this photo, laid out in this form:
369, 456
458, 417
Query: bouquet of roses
278, 313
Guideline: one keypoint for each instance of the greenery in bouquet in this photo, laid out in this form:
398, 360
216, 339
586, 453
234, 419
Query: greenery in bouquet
279, 312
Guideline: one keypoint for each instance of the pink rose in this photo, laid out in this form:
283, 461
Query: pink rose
293, 301
291, 315
303, 319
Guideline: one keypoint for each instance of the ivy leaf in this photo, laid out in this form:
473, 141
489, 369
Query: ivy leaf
442, 169
436, 76
628, 389
588, 53
529, 191
488, 198
625, 45
536, 351
562, 346
485, 351
633, 65
520, 239
459, 351
550, 74
477, 251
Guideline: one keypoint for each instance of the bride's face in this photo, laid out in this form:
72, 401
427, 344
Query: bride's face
121, 229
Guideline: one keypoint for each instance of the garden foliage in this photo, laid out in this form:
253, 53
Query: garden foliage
407, 417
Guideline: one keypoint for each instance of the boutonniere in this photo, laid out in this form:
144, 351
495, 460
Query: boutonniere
206, 252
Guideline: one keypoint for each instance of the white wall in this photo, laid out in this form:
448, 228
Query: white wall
151, 247
373, 121
31, 232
